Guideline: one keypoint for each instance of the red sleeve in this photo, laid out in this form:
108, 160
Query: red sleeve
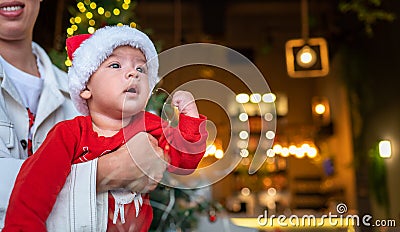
186, 144
40, 179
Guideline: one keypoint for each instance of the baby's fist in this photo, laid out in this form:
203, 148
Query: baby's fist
184, 100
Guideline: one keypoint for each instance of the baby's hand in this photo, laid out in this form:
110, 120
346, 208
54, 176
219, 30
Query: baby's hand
185, 102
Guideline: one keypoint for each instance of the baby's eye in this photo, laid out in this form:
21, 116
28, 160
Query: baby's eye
140, 69
114, 65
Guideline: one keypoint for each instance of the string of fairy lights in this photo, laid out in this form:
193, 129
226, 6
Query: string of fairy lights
91, 15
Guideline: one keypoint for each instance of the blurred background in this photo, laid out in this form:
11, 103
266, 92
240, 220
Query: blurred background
337, 114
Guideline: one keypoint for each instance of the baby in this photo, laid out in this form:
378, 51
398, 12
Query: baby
112, 74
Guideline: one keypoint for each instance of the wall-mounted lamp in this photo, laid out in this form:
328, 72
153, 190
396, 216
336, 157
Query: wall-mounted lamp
385, 149
322, 115
321, 110
307, 58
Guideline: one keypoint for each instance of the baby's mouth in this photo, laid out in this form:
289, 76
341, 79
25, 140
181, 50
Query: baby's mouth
131, 90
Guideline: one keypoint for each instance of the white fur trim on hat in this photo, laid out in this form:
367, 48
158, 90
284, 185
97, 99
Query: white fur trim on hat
97, 48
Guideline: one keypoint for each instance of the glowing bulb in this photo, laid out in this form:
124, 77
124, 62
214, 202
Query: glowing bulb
116, 11
70, 31
132, 24
89, 15
300, 153
92, 22
245, 161
219, 154
285, 152
292, 149
244, 153
269, 98
312, 152
268, 117
242, 98
243, 117
74, 27
305, 146
81, 6
385, 150
125, 6
242, 144
271, 191
78, 19
211, 149
91, 30
93, 5
245, 192
100, 10
270, 153
270, 134
68, 63
267, 181
255, 98
243, 134
306, 57
277, 148
319, 109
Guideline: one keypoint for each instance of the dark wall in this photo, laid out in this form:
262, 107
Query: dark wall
45, 24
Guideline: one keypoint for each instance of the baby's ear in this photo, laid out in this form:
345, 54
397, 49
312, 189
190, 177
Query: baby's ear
86, 94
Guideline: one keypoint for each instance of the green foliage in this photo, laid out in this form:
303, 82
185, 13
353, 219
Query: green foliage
156, 102
368, 12
58, 58
378, 178
99, 13
360, 83
172, 209
178, 209
86, 16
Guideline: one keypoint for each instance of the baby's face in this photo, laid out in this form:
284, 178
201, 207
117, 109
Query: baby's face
120, 86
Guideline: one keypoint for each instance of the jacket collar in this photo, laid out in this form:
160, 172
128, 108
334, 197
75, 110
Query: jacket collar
54, 77
51, 97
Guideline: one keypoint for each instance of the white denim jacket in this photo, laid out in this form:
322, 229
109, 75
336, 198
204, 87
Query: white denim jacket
77, 201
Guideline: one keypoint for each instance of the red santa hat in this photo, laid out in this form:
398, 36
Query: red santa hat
88, 51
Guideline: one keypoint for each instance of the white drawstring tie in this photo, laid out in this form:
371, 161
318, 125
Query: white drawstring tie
123, 197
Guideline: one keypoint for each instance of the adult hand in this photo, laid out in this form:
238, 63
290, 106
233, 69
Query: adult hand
138, 166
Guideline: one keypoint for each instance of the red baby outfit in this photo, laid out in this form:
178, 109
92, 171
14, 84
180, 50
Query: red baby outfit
43, 175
